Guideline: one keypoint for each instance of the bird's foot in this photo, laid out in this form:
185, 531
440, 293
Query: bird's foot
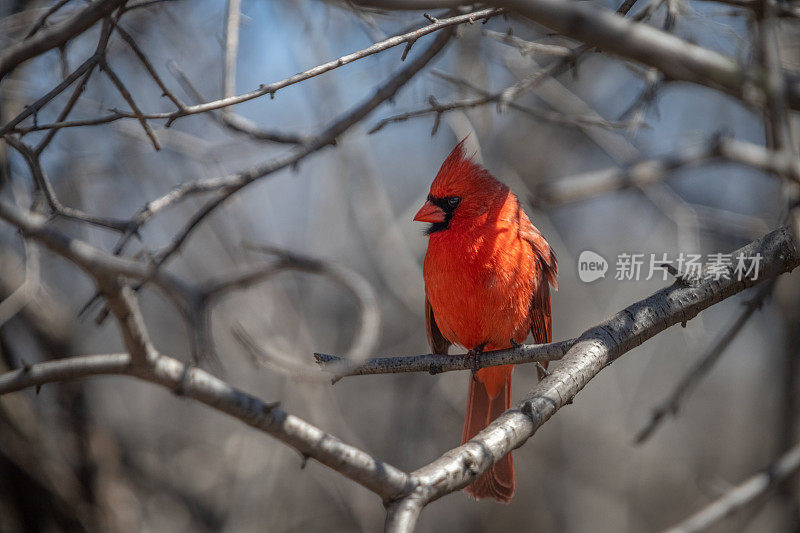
474, 357
514, 344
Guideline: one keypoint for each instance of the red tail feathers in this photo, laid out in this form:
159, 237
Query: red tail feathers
483, 406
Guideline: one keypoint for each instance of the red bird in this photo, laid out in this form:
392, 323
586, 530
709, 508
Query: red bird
487, 274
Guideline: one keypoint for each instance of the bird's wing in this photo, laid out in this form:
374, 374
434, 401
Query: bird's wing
438, 343
547, 270
541, 324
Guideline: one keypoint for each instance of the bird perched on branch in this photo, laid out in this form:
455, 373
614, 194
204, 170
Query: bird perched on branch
487, 274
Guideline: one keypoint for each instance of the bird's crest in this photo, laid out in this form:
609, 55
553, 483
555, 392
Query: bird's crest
459, 175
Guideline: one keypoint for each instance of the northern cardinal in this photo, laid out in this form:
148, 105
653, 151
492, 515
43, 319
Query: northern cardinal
487, 275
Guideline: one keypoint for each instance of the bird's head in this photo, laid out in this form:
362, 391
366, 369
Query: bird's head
461, 193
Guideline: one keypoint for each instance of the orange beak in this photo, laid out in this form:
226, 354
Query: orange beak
430, 213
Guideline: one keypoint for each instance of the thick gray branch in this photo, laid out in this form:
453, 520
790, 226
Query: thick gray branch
600, 27
644, 173
379, 477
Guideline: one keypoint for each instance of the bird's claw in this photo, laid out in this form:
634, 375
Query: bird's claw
474, 356
514, 344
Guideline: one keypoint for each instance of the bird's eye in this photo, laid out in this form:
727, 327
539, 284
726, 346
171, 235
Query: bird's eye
453, 201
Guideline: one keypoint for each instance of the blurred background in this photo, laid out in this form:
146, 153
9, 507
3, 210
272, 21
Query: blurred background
113, 454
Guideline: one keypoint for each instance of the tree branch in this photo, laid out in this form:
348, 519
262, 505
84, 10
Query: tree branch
703, 365
678, 59
56, 35
95, 262
377, 476
742, 495
643, 173
340, 367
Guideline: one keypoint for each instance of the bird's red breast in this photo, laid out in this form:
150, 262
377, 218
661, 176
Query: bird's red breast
487, 273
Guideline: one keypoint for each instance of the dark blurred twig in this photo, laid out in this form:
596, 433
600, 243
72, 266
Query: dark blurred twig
128, 97
43, 185
366, 336
42, 20
56, 35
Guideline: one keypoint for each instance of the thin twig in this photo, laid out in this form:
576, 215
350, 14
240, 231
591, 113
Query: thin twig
40, 22
701, 367
527, 47
149, 67
486, 97
131, 102
273, 88
233, 121
55, 36
742, 495
43, 185
99, 52
231, 48
341, 367
23, 294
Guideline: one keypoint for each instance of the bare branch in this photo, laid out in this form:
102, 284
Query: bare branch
437, 363
486, 97
527, 48
231, 48
56, 35
742, 495
676, 58
40, 22
644, 173
131, 102
272, 88
123, 304
233, 121
379, 477
702, 366
43, 184
33, 108
94, 261
148, 66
